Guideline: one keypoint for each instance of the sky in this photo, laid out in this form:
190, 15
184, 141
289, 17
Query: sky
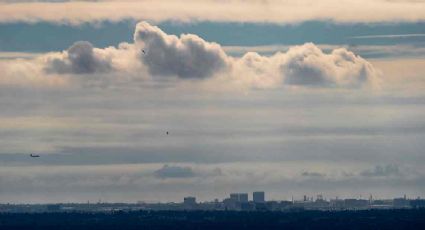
288, 97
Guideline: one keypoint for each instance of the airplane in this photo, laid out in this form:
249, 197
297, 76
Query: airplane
34, 155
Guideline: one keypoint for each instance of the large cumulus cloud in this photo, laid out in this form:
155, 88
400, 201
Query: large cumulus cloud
307, 65
189, 56
156, 54
186, 57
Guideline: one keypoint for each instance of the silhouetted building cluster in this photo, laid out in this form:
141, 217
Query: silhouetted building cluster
235, 201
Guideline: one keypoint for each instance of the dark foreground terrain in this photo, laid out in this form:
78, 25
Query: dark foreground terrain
370, 219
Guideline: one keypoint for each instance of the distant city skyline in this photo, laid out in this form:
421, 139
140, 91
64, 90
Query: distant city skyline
234, 202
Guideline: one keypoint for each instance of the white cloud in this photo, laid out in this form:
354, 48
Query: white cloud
157, 54
83, 58
305, 66
210, 10
187, 57
308, 65
80, 58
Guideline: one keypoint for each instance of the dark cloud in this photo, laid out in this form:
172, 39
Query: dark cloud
382, 171
186, 57
312, 174
174, 172
80, 58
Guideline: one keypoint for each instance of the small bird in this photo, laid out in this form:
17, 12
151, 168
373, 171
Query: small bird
143, 51
34, 155
167, 132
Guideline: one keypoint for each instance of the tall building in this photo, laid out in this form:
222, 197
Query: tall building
234, 196
239, 197
258, 197
189, 201
243, 197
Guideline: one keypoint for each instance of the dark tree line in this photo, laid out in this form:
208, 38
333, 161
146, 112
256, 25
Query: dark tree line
369, 219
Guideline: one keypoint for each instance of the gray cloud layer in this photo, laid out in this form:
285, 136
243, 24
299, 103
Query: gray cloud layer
271, 11
262, 140
110, 182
